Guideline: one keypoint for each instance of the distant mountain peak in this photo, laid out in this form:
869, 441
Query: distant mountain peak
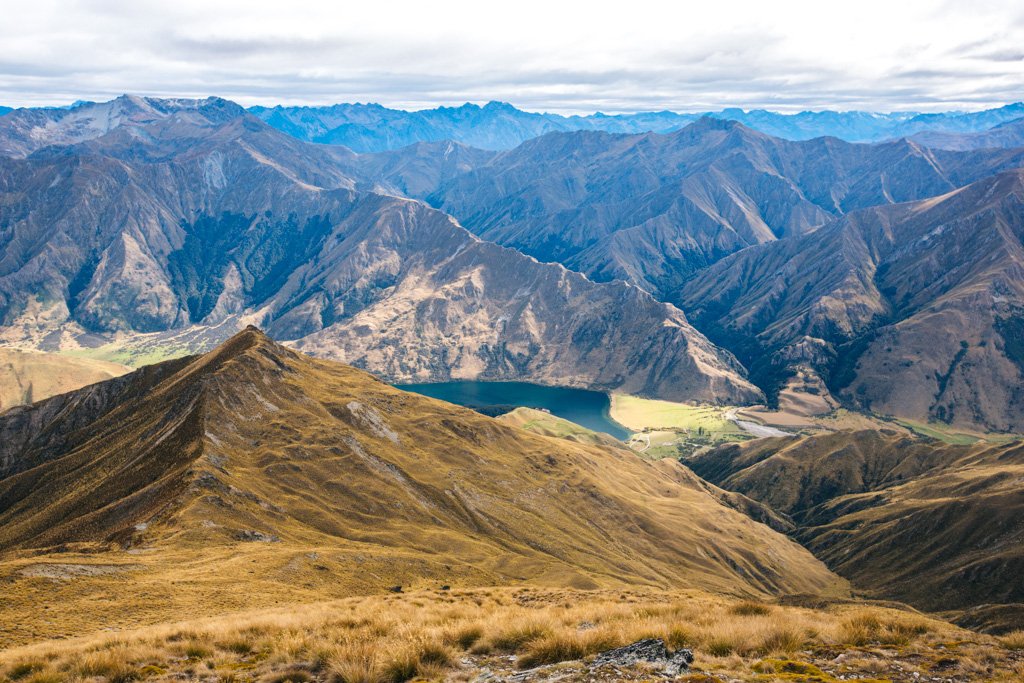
709, 122
706, 125
495, 105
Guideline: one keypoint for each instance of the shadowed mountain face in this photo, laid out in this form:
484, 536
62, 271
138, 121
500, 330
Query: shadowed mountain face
653, 209
913, 310
497, 126
253, 442
936, 525
193, 217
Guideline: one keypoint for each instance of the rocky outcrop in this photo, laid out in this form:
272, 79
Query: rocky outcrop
652, 652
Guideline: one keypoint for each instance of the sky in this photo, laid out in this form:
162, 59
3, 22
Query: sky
565, 57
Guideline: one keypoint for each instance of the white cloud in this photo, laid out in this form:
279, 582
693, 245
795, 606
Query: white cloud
558, 56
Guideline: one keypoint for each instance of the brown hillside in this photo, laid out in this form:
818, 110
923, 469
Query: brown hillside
936, 525
261, 463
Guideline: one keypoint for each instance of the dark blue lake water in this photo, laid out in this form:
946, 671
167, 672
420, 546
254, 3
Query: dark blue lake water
587, 408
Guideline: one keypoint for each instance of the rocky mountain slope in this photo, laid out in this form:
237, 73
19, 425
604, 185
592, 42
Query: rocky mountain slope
255, 450
1009, 134
28, 376
911, 310
498, 125
653, 209
28, 130
202, 218
936, 525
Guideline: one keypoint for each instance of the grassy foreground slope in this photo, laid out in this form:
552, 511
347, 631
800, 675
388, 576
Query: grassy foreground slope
531, 635
254, 476
28, 376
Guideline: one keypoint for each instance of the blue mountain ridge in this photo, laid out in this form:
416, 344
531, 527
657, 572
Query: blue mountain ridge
499, 125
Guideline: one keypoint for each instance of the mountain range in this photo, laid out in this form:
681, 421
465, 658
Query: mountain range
500, 126
147, 216
817, 266
710, 262
911, 309
1009, 134
653, 209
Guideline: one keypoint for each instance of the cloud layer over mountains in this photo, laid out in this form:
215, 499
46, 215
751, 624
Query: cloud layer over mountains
555, 56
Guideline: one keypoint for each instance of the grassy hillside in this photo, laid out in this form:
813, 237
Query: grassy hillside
27, 376
255, 476
938, 525
546, 424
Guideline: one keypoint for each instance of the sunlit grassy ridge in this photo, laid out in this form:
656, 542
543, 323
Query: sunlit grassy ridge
458, 634
643, 413
255, 476
946, 434
541, 422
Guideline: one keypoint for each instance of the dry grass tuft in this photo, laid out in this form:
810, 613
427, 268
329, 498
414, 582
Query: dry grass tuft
291, 676
870, 628
1014, 640
750, 609
514, 637
465, 637
24, 669
567, 646
357, 662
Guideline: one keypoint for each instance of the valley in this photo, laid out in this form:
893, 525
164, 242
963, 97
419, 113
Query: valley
861, 499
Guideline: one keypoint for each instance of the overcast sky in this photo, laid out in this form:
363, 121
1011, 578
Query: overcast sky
547, 55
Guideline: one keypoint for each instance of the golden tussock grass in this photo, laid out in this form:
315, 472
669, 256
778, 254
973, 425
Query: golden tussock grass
1013, 640
396, 638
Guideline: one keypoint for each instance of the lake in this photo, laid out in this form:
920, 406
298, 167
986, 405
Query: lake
587, 408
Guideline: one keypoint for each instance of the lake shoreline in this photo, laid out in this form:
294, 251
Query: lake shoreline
585, 407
